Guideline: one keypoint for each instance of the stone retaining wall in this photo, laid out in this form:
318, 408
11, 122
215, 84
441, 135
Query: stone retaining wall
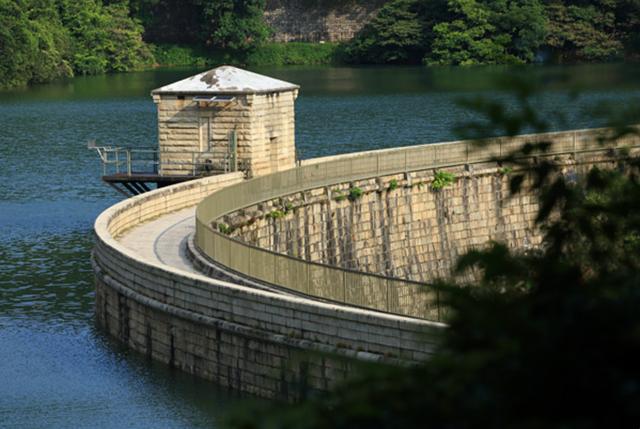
398, 225
395, 225
319, 20
261, 342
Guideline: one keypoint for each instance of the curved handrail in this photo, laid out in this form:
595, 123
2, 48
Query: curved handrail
367, 290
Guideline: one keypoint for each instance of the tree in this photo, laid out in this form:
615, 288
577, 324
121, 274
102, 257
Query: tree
545, 338
583, 31
105, 39
398, 34
34, 45
488, 32
237, 25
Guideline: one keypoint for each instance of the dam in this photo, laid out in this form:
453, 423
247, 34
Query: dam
279, 282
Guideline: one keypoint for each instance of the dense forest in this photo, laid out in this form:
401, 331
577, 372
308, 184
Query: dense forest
41, 40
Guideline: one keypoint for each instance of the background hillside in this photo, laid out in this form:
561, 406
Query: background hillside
42, 40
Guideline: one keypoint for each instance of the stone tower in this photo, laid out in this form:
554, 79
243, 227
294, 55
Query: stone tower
226, 119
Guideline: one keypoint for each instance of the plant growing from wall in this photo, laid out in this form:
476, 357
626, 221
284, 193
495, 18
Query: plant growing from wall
393, 184
505, 171
355, 193
275, 214
338, 195
442, 179
224, 228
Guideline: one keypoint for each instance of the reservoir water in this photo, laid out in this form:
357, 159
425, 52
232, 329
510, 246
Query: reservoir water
56, 368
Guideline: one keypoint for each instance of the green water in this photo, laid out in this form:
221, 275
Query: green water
56, 369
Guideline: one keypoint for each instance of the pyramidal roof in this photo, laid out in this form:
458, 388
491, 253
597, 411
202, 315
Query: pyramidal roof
226, 80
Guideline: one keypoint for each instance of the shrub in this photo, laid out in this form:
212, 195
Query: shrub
275, 214
224, 228
442, 179
355, 193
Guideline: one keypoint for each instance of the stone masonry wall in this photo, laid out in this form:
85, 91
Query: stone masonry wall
319, 20
268, 344
399, 227
264, 126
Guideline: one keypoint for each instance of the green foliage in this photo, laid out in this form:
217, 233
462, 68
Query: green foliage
442, 179
488, 32
542, 338
42, 40
237, 25
355, 193
583, 31
468, 32
275, 214
105, 38
293, 53
175, 55
393, 185
338, 195
224, 228
504, 171
398, 34
34, 46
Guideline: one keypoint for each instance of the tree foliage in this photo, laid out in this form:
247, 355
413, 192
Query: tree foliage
105, 39
488, 32
583, 31
544, 338
41, 40
499, 31
237, 25
34, 46
396, 35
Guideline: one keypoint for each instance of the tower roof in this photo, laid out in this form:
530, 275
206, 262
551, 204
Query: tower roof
226, 80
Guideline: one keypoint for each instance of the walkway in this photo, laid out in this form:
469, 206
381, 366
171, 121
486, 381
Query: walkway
164, 239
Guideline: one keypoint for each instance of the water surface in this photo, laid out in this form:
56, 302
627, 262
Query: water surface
56, 369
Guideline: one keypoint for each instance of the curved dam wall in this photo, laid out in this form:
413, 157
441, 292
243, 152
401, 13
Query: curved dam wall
268, 344
304, 229
395, 225
275, 344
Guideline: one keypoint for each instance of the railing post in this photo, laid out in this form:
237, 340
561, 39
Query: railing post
128, 162
344, 286
466, 149
233, 146
156, 162
117, 161
388, 296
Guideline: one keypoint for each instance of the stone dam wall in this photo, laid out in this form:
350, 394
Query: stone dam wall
319, 20
268, 344
278, 345
398, 225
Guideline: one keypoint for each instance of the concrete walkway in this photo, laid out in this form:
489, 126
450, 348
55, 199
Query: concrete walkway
164, 239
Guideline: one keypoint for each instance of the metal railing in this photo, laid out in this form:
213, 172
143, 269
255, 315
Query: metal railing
119, 160
367, 290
